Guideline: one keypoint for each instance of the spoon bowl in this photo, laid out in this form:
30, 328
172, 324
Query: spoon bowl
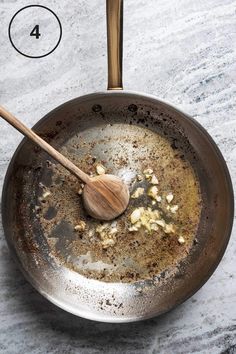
105, 197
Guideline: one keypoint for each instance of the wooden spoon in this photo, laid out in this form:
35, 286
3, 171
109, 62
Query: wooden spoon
105, 197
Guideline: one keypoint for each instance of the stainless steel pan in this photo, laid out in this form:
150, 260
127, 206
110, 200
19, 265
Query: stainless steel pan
121, 129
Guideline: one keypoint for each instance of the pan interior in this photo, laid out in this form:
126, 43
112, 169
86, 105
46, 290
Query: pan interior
115, 253
143, 274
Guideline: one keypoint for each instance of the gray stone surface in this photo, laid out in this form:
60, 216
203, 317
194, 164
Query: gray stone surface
183, 51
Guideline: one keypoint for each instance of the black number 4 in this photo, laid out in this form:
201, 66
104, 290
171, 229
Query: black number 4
35, 32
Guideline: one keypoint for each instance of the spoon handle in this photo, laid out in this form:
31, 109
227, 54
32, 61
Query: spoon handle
44, 145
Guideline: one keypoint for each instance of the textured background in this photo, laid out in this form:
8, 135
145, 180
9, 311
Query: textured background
182, 51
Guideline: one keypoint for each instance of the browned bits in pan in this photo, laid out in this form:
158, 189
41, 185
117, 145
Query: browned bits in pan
124, 255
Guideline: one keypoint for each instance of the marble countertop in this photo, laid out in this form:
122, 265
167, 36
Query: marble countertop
182, 51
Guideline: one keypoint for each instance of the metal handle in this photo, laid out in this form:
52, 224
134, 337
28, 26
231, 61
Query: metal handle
115, 43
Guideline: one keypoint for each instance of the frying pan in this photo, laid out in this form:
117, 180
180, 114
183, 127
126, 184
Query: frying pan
107, 123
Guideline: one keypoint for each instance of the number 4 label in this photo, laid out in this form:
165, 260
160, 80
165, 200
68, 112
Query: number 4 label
35, 32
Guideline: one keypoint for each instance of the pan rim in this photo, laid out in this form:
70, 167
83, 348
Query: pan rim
218, 258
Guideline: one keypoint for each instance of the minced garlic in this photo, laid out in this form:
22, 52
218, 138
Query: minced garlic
80, 191
169, 197
136, 215
46, 194
132, 228
149, 219
138, 192
174, 208
154, 180
109, 242
100, 169
169, 228
152, 192
139, 178
80, 226
181, 240
107, 234
148, 171
161, 222
154, 227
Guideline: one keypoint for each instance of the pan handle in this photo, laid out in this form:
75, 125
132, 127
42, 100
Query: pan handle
114, 43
